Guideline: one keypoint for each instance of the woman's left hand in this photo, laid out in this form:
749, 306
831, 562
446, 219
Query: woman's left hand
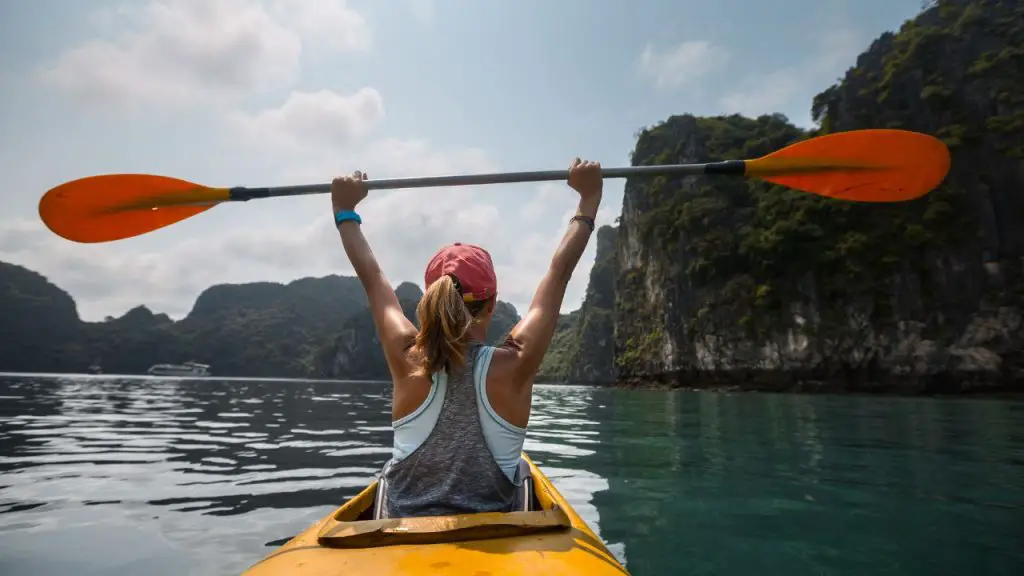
347, 191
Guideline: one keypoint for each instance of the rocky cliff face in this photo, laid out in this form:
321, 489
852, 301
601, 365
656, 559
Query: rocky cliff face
593, 360
729, 282
39, 326
582, 350
725, 281
685, 284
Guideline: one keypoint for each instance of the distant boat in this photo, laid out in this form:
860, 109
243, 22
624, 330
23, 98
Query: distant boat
186, 369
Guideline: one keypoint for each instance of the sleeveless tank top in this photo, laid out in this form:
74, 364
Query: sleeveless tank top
454, 454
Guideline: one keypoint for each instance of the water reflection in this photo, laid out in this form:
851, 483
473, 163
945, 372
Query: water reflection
199, 476
214, 471
786, 484
563, 439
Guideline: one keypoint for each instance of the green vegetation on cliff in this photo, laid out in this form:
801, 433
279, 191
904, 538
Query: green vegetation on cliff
582, 350
564, 344
956, 71
722, 275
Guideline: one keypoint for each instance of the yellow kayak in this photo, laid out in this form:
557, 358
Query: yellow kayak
550, 539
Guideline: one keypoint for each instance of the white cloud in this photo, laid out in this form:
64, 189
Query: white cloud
321, 118
772, 92
788, 86
330, 22
407, 157
521, 270
222, 51
177, 53
404, 226
108, 279
682, 64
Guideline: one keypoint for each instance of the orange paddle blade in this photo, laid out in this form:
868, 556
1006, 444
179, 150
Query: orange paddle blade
861, 165
116, 206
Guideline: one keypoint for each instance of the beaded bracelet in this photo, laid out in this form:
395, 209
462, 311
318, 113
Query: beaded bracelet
585, 219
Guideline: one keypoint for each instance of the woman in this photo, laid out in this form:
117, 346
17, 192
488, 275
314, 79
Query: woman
460, 408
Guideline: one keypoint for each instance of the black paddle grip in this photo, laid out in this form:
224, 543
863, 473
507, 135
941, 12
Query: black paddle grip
733, 167
242, 193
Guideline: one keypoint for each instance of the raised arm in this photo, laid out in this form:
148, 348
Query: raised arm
394, 330
531, 337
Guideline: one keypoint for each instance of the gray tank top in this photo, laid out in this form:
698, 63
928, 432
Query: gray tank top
452, 471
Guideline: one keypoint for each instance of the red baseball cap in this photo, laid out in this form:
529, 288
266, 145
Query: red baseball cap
470, 264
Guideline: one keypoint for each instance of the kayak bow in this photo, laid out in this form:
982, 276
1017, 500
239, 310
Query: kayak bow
552, 540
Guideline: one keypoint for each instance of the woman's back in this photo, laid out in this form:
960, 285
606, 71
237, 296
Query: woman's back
453, 454
459, 419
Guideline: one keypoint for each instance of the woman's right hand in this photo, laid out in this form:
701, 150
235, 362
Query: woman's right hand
585, 178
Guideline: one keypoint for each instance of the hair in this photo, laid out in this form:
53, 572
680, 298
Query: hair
445, 320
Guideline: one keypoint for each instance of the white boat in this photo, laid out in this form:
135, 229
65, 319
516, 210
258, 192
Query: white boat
186, 369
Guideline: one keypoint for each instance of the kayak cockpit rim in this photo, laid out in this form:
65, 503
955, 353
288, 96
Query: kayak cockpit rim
353, 526
441, 529
550, 537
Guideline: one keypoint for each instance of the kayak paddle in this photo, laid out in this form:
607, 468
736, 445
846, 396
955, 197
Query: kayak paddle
877, 165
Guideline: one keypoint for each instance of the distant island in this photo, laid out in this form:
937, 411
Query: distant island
705, 283
308, 328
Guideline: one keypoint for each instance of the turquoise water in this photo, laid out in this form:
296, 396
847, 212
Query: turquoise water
159, 476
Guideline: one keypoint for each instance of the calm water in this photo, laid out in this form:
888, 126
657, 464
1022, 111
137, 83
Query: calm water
160, 476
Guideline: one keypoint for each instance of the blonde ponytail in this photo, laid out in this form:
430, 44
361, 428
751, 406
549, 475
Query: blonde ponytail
444, 327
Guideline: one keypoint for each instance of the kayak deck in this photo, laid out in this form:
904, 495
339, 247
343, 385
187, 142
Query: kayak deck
549, 539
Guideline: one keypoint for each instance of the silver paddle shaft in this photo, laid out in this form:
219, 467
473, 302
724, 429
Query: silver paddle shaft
727, 167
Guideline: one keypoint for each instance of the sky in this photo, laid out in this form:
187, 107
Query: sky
273, 92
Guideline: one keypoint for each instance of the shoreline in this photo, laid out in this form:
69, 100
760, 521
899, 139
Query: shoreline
1002, 394
946, 384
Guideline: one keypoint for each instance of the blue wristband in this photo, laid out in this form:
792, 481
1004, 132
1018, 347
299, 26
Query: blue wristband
343, 215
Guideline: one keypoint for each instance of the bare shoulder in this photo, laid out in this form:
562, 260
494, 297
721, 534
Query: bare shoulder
506, 363
509, 390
